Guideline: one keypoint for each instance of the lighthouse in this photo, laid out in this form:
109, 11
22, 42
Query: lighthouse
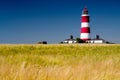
85, 28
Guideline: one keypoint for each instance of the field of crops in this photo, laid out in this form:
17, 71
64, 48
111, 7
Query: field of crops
60, 62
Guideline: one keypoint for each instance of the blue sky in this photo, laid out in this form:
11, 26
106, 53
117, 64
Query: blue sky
30, 21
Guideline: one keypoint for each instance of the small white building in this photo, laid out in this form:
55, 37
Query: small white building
70, 41
97, 40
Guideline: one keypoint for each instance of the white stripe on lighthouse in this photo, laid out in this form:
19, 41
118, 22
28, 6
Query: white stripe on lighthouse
85, 35
84, 24
85, 15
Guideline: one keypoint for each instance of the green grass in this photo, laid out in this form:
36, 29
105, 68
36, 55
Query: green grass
60, 62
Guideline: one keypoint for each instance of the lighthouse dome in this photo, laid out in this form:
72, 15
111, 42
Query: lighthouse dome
85, 11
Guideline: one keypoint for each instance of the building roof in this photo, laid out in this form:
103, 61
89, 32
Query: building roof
70, 39
97, 38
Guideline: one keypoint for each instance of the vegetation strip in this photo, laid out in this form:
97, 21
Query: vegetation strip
60, 62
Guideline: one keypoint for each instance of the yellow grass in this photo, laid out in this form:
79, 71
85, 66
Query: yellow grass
60, 62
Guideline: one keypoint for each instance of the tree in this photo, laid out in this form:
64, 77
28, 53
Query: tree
79, 40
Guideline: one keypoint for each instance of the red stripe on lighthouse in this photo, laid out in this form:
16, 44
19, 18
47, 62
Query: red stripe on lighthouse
85, 39
85, 30
85, 18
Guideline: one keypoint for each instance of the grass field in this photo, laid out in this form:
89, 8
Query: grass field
60, 62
